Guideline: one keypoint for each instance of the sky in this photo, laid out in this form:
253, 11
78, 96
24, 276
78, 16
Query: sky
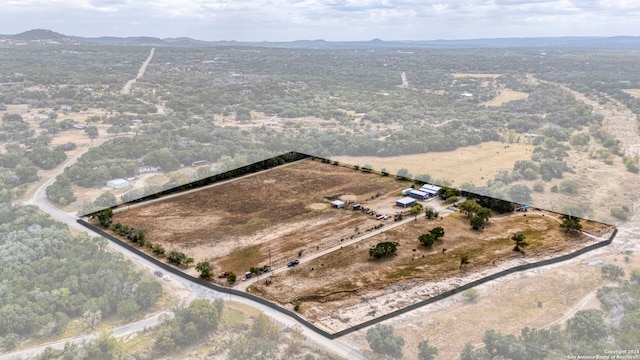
334, 20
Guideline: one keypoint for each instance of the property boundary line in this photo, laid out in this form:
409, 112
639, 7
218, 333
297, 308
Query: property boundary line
365, 324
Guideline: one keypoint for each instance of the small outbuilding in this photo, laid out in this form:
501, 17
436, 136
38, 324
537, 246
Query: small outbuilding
419, 195
117, 183
338, 204
405, 202
406, 192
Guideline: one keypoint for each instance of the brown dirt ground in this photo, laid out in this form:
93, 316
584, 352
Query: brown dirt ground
633, 92
277, 212
487, 160
348, 273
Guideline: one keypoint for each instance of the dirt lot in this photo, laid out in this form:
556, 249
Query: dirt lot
346, 287
277, 213
505, 96
633, 92
470, 75
487, 160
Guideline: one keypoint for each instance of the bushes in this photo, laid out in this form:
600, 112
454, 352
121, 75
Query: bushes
620, 212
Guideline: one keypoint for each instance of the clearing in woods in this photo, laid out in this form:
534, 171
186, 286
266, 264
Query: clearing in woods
281, 213
471, 164
273, 214
506, 95
633, 92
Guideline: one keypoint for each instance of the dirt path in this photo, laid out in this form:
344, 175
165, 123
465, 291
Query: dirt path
126, 89
405, 82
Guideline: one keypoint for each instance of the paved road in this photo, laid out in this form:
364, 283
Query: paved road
197, 291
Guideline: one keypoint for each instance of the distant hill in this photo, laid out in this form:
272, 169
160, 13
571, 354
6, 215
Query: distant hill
42, 36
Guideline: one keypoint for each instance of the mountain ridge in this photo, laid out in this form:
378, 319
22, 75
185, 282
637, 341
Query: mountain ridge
40, 36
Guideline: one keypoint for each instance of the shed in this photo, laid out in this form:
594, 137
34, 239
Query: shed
417, 194
117, 183
405, 202
338, 204
406, 192
430, 189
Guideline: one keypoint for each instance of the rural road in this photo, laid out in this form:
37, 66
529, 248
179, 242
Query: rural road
197, 291
126, 89
245, 284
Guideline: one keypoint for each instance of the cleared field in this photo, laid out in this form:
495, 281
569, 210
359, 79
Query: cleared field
505, 96
275, 214
473, 164
471, 75
350, 272
633, 92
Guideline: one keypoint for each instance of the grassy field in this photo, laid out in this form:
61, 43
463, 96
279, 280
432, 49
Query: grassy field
505, 96
473, 164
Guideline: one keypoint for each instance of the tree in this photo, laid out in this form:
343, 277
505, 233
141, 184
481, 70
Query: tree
383, 249
231, 278
427, 239
587, 325
437, 232
520, 193
425, 351
477, 222
430, 213
464, 260
177, 257
519, 238
92, 132
415, 210
204, 267
570, 223
469, 207
404, 173
471, 294
383, 341
611, 271
104, 217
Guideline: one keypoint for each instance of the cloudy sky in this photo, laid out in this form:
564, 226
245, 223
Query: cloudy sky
277, 20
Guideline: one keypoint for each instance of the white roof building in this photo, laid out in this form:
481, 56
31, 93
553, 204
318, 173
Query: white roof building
117, 183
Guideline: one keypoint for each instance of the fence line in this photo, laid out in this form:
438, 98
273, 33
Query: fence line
365, 324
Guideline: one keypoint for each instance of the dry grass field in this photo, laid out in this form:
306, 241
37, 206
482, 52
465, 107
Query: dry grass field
473, 164
238, 224
470, 75
505, 96
349, 272
633, 92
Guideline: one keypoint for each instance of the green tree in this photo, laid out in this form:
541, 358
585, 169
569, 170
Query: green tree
469, 207
92, 132
148, 293
520, 240
477, 222
415, 210
204, 267
437, 232
105, 347
231, 279
404, 173
571, 223
425, 351
611, 271
587, 325
520, 193
383, 341
177, 257
427, 239
471, 294
383, 249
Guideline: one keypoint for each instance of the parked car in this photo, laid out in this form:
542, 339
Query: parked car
223, 275
265, 269
382, 216
167, 278
248, 275
293, 263
157, 273
357, 206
